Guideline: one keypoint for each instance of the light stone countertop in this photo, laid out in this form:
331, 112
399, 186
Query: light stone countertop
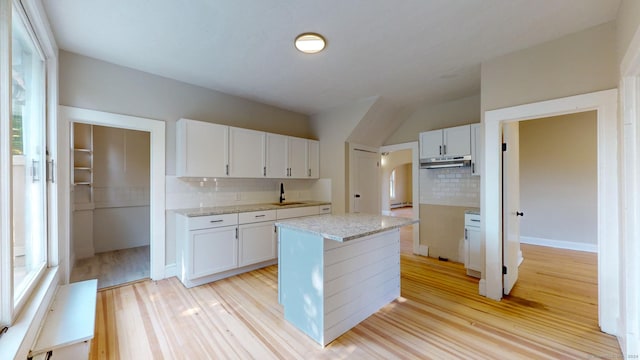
345, 227
233, 209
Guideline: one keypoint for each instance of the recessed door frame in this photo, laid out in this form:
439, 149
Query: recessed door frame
415, 183
156, 130
605, 103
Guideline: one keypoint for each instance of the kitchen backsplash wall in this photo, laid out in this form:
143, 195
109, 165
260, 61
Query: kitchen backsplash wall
453, 186
194, 193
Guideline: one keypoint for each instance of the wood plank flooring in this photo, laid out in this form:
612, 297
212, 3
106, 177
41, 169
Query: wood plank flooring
552, 314
114, 268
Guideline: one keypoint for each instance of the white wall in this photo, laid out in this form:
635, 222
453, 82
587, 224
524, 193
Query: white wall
558, 180
333, 127
121, 167
575, 64
436, 116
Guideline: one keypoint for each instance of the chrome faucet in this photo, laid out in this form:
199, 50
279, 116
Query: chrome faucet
281, 192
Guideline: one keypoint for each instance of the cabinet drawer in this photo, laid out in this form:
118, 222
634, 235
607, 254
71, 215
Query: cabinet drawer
472, 220
296, 212
211, 221
256, 216
324, 209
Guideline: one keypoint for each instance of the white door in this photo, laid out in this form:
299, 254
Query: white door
457, 141
510, 205
276, 156
246, 153
430, 144
297, 157
366, 192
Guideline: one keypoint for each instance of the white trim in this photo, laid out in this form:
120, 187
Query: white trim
629, 322
605, 102
415, 183
156, 128
170, 270
559, 244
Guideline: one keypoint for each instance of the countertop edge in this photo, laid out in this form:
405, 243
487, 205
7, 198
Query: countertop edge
236, 209
338, 238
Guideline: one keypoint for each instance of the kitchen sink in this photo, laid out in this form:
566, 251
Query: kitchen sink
287, 203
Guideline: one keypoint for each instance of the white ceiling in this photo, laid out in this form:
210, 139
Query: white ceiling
406, 51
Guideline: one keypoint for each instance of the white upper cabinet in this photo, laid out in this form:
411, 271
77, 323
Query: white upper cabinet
211, 150
430, 144
313, 159
476, 149
276, 156
246, 153
455, 141
297, 158
201, 149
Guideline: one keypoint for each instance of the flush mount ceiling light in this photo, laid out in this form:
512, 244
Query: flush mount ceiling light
310, 43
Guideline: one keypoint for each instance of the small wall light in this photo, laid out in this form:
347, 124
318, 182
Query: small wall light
310, 43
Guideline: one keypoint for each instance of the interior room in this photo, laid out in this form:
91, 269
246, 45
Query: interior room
413, 179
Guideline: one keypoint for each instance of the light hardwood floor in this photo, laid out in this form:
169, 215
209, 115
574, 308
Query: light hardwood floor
551, 314
114, 268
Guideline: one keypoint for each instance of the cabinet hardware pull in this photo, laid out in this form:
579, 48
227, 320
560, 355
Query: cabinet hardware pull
440, 149
263, 215
473, 168
236, 233
444, 149
518, 213
475, 220
465, 234
264, 171
325, 209
216, 221
227, 169
309, 172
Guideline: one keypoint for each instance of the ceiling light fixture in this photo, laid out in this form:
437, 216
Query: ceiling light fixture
310, 43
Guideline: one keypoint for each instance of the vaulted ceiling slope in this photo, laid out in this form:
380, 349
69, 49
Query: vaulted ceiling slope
405, 51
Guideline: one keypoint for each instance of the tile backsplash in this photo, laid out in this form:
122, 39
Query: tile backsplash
197, 192
452, 186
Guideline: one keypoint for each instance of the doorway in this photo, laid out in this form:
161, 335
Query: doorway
156, 131
406, 154
110, 197
604, 103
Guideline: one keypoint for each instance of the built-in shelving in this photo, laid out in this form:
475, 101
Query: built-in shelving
82, 163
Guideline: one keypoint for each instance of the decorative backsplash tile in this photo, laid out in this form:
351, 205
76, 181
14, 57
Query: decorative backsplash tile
198, 192
452, 186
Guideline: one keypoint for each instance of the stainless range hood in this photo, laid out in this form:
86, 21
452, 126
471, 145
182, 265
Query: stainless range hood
445, 162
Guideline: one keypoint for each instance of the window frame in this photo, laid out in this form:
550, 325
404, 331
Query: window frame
392, 184
21, 312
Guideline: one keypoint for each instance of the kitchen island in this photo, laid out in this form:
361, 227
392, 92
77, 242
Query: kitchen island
334, 271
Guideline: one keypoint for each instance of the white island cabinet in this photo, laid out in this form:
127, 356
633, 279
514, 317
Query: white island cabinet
343, 267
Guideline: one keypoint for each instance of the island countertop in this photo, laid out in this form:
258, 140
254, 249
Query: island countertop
345, 227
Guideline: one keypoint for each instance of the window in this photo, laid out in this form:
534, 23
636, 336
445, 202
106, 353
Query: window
392, 184
23, 176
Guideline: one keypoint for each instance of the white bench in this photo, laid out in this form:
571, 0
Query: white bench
69, 325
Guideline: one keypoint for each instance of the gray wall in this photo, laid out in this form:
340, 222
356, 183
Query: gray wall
558, 178
97, 85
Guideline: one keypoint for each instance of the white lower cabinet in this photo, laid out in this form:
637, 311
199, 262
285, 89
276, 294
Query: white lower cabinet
212, 251
473, 256
257, 243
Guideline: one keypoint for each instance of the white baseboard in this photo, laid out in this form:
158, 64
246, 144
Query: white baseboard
170, 271
482, 287
560, 244
423, 250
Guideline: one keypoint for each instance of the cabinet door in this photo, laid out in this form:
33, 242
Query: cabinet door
476, 149
276, 156
313, 159
474, 261
201, 149
430, 144
457, 141
257, 242
212, 251
297, 157
246, 153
